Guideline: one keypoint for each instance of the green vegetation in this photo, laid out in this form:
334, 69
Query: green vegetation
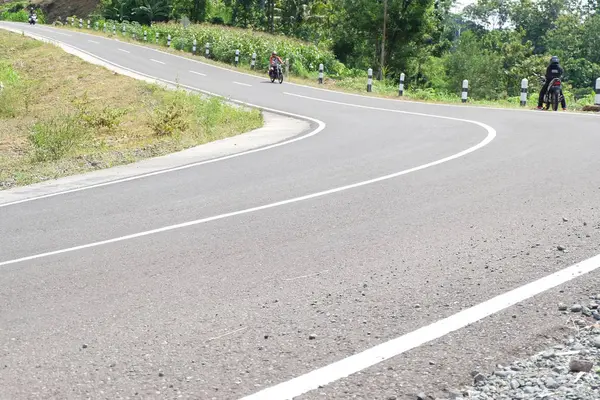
88, 118
492, 43
17, 12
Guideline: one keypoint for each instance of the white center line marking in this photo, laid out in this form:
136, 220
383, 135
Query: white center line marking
491, 134
198, 73
241, 84
358, 362
156, 61
124, 51
93, 41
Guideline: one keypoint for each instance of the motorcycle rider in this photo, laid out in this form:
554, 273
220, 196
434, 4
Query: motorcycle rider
554, 70
274, 57
32, 16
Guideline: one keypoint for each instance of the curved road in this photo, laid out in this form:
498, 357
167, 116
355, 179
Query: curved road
227, 279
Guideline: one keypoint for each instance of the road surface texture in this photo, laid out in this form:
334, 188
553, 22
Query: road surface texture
233, 298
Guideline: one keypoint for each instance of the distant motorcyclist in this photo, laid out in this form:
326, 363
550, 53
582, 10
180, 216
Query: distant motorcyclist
554, 70
32, 16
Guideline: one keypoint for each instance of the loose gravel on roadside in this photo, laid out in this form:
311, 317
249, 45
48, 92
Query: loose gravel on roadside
569, 370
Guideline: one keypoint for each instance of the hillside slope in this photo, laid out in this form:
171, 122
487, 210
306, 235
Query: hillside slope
55, 9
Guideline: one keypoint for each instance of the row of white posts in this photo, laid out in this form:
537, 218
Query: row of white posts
169, 39
465, 83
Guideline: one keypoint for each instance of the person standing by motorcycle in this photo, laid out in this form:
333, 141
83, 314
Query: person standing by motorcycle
554, 70
274, 57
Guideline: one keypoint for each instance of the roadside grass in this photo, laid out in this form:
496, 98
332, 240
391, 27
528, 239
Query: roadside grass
61, 116
354, 85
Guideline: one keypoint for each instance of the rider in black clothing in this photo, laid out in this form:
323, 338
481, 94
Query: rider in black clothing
554, 70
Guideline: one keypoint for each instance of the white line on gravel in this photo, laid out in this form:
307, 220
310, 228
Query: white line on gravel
198, 73
358, 362
242, 84
227, 334
156, 61
491, 134
124, 51
307, 276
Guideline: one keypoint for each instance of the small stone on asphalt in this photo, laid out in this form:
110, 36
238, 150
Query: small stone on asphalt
312, 337
576, 308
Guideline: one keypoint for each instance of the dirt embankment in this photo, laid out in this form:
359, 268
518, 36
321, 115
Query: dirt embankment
55, 9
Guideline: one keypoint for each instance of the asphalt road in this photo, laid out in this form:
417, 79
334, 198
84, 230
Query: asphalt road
226, 307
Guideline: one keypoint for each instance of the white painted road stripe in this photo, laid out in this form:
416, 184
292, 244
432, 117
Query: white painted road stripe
92, 41
124, 51
198, 73
156, 61
358, 362
241, 84
491, 134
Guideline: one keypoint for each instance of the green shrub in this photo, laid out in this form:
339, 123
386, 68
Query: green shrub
171, 115
56, 137
108, 117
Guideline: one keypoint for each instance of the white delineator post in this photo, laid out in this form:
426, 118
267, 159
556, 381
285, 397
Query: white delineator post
287, 67
524, 86
465, 91
104, 27
114, 29
97, 26
73, 21
157, 36
145, 36
207, 50
597, 99
89, 22
169, 40
370, 80
253, 62
124, 33
321, 73
237, 57
194, 46
80, 23
401, 86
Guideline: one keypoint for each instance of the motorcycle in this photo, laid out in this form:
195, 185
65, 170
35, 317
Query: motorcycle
554, 95
276, 73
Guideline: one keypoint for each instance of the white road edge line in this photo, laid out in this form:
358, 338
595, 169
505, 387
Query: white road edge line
198, 73
360, 361
491, 134
152, 59
320, 127
93, 41
124, 51
242, 84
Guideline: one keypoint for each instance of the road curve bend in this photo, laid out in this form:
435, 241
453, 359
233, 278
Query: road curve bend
225, 279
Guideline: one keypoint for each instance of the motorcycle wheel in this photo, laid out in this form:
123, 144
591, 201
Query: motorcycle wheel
555, 100
280, 78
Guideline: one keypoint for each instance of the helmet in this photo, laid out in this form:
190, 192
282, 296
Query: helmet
554, 60
274, 53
